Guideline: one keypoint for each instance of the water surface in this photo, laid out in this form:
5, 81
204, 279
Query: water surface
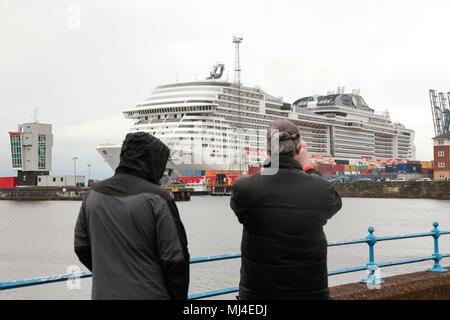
36, 240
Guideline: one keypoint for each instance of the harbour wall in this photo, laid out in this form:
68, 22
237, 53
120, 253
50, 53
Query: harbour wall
391, 189
43, 193
422, 285
71, 193
396, 189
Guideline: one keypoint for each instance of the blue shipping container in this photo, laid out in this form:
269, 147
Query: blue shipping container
413, 168
391, 168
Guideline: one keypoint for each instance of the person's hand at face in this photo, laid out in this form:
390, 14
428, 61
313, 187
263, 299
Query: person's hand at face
302, 156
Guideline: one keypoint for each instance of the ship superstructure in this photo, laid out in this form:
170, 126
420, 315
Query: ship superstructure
219, 125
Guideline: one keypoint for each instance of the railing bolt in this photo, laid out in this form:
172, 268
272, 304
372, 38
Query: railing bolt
436, 255
372, 267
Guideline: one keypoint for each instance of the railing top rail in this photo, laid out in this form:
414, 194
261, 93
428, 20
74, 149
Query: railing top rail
370, 239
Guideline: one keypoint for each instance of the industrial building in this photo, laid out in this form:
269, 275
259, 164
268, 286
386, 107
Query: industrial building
441, 142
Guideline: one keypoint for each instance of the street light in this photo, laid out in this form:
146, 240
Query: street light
89, 174
75, 169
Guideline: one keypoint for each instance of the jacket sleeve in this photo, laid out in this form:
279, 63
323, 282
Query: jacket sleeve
82, 243
334, 201
236, 202
172, 250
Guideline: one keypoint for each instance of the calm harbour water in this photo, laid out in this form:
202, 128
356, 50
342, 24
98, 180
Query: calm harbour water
37, 240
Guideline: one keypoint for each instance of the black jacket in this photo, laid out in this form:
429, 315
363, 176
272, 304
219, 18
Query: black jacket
284, 248
129, 232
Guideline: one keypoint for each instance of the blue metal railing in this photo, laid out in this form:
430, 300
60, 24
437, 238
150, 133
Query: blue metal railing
372, 266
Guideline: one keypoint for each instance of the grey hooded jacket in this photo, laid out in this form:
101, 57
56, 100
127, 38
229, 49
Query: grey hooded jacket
129, 232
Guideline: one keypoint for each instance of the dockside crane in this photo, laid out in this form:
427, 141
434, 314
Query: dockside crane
440, 111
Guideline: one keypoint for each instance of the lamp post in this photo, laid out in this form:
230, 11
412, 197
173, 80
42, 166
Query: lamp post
89, 173
75, 169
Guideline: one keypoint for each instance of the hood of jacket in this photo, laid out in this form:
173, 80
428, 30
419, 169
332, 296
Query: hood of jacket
143, 155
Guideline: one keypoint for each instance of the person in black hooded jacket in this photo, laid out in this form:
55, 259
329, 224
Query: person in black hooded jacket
283, 210
129, 232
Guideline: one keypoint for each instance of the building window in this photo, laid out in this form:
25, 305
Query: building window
54, 179
42, 139
441, 165
41, 151
440, 141
441, 176
441, 153
41, 163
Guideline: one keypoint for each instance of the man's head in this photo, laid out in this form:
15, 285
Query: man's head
286, 134
144, 156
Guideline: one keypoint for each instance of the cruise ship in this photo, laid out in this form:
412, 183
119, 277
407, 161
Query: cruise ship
214, 124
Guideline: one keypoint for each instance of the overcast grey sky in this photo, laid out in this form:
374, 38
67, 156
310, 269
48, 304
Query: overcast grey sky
84, 62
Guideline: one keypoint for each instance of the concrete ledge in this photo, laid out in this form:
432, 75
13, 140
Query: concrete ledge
411, 286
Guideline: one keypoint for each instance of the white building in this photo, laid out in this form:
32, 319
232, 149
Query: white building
31, 151
60, 181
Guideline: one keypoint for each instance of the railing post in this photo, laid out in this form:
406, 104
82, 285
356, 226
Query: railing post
372, 267
436, 255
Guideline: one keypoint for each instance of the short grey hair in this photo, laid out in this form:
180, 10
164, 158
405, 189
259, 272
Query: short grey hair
287, 145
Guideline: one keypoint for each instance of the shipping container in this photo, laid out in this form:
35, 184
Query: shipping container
8, 182
413, 168
391, 168
426, 164
338, 167
253, 170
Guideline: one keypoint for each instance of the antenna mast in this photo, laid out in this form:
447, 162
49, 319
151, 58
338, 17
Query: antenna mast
237, 80
35, 115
